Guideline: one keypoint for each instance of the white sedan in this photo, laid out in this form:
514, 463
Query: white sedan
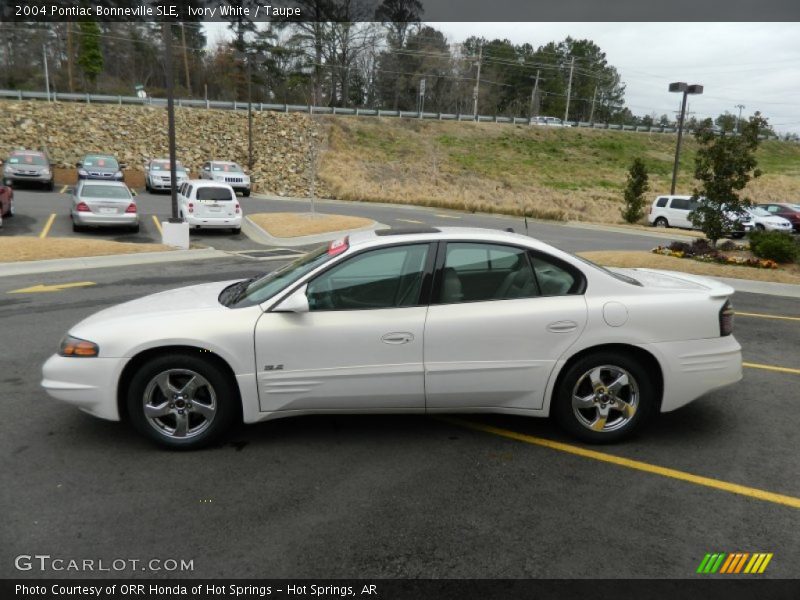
766, 221
416, 321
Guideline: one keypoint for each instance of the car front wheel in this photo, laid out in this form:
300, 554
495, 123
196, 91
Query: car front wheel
182, 401
604, 397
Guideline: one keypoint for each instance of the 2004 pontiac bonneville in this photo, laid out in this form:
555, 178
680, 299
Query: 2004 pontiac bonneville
406, 321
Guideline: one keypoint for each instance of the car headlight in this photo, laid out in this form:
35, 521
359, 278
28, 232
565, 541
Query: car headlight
118, 175
82, 172
45, 172
72, 346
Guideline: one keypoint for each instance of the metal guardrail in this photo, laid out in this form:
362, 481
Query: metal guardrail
315, 110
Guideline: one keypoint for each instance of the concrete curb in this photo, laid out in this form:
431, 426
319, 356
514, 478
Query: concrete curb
111, 260
260, 236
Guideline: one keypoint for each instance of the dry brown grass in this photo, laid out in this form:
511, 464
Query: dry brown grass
648, 260
299, 224
30, 248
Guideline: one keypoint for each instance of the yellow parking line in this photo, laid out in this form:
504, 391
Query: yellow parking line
47, 226
733, 488
448, 216
411, 221
63, 189
158, 225
771, 368
761, 316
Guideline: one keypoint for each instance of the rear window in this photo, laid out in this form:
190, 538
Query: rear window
661, 202
214, 193
680, 204
105, 191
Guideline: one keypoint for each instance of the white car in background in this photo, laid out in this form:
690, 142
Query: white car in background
157, 175
766, 221
225, 171
673, 211
210, 205
418, 321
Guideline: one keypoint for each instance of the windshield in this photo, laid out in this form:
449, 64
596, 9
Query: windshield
760, 212
105, 162
27, 159
115, 192
226, 168
263, 288
163, 165
615, 275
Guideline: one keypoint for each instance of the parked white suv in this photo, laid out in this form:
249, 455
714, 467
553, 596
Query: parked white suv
673, 211
228, 172
209, 204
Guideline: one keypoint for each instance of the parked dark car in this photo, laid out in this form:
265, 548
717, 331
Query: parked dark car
28, 166
787, 210
100, 166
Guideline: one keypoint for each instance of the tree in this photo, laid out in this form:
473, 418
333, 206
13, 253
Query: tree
724, 164
90, 56
726, 121
635, 189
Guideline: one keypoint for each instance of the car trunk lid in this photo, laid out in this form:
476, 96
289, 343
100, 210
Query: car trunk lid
673, 280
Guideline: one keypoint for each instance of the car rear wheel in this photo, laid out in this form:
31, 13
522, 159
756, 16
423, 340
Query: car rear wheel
246, 193
604, 397
661, 222
182, 401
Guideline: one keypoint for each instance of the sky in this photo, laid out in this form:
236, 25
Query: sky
754, 64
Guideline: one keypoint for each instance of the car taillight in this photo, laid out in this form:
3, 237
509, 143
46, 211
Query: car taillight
726, 319
191, 207
237, 207
83, 207
131, 208
339, 246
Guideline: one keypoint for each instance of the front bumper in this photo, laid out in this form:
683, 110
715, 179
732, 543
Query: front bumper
87, 383
695, 367
164, 185
18, 178
113, 220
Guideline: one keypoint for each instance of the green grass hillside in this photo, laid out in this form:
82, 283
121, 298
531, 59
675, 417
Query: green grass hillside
575, 174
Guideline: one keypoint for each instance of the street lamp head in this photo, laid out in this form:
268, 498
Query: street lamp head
694, 89
678, 86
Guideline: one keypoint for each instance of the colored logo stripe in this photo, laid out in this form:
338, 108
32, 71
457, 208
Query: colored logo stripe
734, 563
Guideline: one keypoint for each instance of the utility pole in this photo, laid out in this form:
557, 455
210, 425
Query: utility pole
167, 32
739, 120
534, 91
46, 73
185, 59
594, 97
569, 89
477, 89
69, 57
249, 117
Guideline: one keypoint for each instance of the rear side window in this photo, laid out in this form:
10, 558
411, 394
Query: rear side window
661, 202
214, 193
556, 278
680, 204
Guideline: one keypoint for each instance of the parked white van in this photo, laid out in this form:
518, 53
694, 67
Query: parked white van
673, 211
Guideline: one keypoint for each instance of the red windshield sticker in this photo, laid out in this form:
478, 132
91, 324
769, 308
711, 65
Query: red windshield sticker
28, 159
226, 167
101, 163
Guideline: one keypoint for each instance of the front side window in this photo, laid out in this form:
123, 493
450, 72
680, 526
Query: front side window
385, 278
475, 272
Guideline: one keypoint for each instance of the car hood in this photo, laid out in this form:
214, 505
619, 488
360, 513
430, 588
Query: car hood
674, 280
180, 300
162, 173
772, 219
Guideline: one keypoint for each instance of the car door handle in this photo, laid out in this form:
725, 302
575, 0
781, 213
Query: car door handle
399, 337
562, 326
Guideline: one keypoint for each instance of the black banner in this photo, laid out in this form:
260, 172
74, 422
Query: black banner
383, 10
732, 588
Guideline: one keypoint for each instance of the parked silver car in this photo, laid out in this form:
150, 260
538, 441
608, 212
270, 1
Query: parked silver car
157, 176
227, 172
28, 166
104, 204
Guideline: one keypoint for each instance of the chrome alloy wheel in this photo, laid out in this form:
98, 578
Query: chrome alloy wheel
605, 398
179, 403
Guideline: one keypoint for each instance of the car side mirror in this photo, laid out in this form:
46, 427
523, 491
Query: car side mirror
123, 166
79, 164
297, 302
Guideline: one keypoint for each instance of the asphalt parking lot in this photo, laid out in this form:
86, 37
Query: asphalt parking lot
396, 496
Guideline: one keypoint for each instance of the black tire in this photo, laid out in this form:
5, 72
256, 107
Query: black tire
135, 229
246, 193
660, 222
236, 230
759, 227
224, 398
76, 228
147, 186
50, 186
619, 425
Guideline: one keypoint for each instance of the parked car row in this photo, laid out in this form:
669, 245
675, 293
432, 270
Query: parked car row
674, 211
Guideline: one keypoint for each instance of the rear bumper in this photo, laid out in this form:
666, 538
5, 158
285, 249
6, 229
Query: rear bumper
215, 222
696, 367
90, 384
117, 220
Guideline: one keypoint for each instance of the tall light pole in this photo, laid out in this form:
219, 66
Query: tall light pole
685, 90
166, 29
476, 91
739, 120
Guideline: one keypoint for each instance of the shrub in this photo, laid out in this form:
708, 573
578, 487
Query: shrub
680, 247
635, 188
702, 246
728, 246
774, 245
